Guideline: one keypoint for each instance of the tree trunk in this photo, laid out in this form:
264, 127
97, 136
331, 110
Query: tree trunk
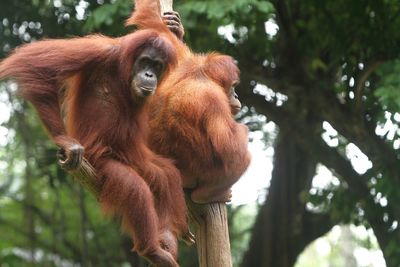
29, 190
84, 225
283, 227
29, 217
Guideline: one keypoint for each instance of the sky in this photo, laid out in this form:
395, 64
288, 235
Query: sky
251, 186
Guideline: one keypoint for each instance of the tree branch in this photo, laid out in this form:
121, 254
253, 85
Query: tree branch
347, 122
309, 139
360, 83
316, 225
358, 131
44, 218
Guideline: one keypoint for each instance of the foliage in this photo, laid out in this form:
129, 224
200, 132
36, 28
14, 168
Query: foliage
336, 62
389, 81
329, 61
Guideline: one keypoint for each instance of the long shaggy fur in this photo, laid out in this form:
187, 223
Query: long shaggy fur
191, 122
88, 79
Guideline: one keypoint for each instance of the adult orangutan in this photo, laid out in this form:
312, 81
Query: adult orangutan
191, 120
103, 85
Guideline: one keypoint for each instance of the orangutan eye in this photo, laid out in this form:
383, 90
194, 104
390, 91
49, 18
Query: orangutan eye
232, 91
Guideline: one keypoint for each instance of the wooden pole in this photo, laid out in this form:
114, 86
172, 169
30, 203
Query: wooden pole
211, 232
165, 6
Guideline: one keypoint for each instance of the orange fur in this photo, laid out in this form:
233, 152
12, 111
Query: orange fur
191, 122
191, 119
102, 115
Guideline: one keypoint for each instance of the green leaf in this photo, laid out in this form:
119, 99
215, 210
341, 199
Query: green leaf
264, 7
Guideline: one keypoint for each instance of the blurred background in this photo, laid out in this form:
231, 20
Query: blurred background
320, 84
